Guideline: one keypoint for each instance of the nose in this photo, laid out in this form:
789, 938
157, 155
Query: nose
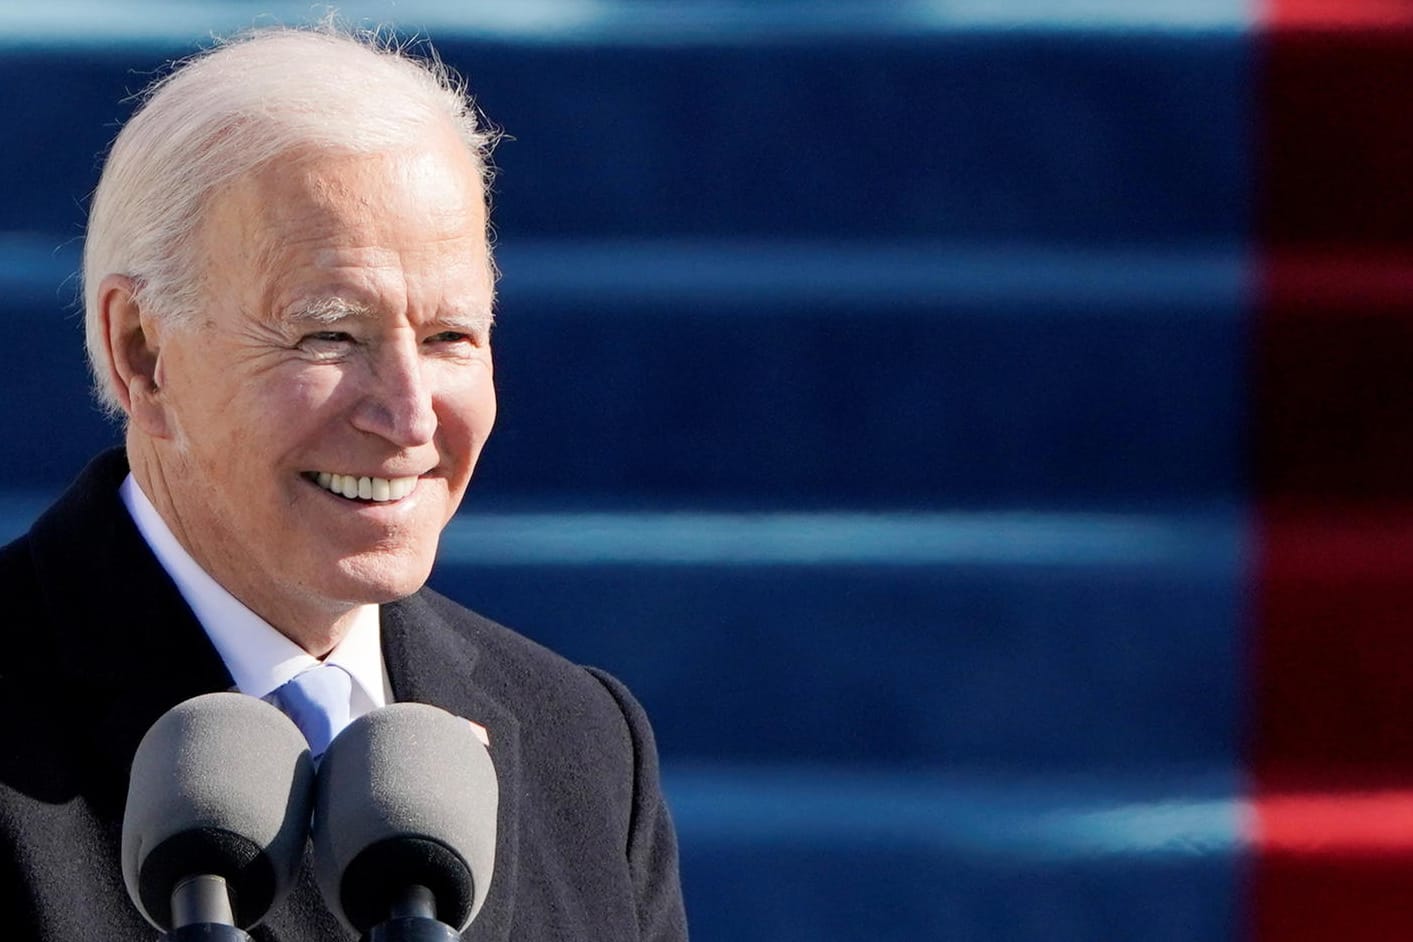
397, 405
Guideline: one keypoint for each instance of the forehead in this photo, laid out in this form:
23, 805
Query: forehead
318, 223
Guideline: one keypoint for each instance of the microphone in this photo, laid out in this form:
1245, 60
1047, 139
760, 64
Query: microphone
404, 829
217, 816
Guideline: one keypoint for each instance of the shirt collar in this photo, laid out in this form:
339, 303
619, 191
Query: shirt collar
258, 656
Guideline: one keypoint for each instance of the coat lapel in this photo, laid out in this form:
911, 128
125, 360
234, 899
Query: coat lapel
430, 661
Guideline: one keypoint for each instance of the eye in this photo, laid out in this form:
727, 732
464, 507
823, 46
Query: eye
326, 344
455, 337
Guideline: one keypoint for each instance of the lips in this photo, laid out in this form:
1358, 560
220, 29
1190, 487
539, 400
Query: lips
363, 487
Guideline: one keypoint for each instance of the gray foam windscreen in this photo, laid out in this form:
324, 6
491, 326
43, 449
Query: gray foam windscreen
221, 784
407, 795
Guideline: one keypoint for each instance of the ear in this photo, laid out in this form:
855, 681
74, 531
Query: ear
132, 343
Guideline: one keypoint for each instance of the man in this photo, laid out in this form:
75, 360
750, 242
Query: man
288, 293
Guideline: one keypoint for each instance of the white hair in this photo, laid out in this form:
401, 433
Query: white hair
227, 112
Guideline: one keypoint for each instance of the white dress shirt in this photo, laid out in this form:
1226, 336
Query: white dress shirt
259, 657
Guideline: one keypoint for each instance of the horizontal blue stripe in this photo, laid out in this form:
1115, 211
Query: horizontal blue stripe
1046, 278
1035, 819
744, 276
1205, 542
695, 22
36, 264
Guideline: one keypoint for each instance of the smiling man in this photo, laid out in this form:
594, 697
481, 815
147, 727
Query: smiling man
288, 290
345, 332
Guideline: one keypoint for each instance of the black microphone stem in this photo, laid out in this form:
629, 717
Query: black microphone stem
413, 918
415, 902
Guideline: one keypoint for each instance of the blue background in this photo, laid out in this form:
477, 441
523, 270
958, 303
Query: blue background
872, 401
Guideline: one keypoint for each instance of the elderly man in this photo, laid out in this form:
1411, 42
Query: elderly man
288, 291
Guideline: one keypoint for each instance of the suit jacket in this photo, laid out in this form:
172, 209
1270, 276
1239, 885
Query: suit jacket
98, 643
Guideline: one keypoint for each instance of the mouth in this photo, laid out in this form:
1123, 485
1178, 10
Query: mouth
362, 487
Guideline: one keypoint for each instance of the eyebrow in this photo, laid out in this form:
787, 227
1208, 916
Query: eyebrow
328, 310
331, 310
470, 320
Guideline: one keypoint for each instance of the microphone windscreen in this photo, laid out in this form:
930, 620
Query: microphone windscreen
406, 796
222, 784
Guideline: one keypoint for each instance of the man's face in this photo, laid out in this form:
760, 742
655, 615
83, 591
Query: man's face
345, 337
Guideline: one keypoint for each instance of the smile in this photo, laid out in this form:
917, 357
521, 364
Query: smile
355, 487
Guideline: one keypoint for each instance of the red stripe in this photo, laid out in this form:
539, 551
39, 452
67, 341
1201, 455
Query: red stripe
1325, 14
1332, 410
1342, 283
1354, 825
1332, 827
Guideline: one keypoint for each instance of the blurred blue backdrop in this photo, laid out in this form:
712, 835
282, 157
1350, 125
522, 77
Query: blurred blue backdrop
872, 402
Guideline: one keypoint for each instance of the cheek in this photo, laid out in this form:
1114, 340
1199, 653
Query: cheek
467, 410
462, 435
483, 413
292, 406
247, 440
486, 405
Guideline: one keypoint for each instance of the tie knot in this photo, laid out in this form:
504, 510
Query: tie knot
319, 701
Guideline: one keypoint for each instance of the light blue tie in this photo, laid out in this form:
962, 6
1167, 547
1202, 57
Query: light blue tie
318, 700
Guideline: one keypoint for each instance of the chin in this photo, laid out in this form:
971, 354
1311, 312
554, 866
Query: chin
373, 581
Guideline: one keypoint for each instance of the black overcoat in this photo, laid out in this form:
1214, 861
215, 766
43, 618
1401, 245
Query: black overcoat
97, 643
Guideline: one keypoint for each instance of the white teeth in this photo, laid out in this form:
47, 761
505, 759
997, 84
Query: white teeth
377, 490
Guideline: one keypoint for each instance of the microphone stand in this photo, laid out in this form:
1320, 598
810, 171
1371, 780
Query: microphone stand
201, 912
413, 919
